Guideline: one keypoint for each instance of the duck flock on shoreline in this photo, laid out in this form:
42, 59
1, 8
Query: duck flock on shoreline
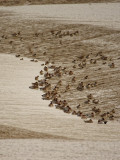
53, 93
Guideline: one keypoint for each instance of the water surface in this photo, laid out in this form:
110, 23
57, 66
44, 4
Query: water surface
104, 14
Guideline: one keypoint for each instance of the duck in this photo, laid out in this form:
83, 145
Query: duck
59, 74
47, 62
74, 113
18, 55
88, 86
104, 115
51, 104
44, 53
55, 100
93, 61
76, 32
70, 72
111, 117
10, 42
81, 66
79, 113
83, 116
95, 101
67, 109
59, 82
14, 34
87, 56
68, 87
33, 87
86, 77
73, 79
74, 61
88, 121
78, 106
74, 66
36, 83
112, 111
45, 69
90, 96
36, 78
100, 121
80, 86
41, 72
112, 65
87, 101
96, 110
34, 55
103, 57
65, 102
90, 115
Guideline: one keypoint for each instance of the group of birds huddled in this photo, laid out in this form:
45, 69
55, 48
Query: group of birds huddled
52, 93
74, 81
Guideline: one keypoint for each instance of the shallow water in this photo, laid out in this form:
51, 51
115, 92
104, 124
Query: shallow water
104, 14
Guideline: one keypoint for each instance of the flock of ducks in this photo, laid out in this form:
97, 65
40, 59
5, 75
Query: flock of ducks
52, 93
